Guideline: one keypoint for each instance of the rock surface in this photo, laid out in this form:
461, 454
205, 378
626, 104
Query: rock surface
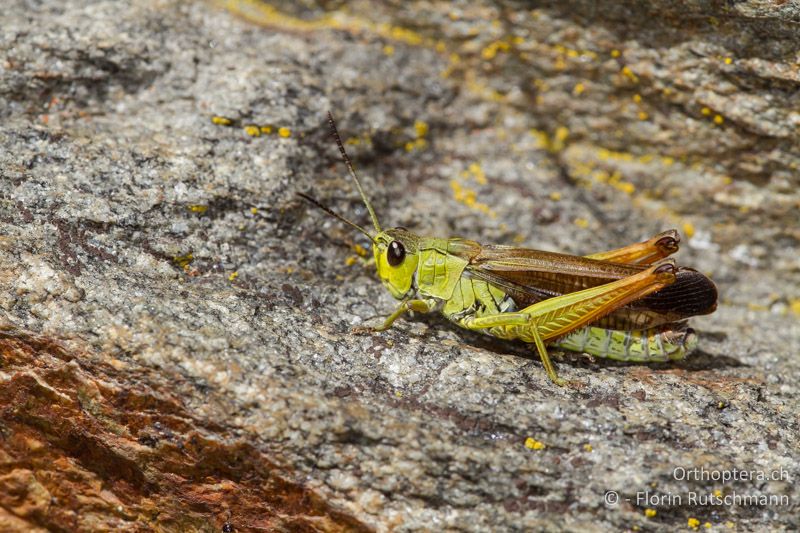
175, 346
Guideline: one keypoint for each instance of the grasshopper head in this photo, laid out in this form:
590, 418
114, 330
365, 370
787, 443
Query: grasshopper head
395, 250
396, 259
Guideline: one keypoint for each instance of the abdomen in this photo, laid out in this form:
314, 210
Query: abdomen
665, 343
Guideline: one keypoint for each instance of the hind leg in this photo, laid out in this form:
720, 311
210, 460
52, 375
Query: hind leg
644, 253
558, 316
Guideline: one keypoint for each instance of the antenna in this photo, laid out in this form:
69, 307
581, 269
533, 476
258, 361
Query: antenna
355, 178
332, 213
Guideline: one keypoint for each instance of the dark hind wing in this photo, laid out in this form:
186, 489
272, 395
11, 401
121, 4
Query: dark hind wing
691, 294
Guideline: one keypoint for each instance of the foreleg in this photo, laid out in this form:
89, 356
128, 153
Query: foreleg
420, 306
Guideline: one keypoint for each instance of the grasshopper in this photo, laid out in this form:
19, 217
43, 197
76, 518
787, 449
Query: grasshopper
628, 304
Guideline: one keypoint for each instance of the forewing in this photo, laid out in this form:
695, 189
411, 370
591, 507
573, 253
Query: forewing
530, 276
544, 273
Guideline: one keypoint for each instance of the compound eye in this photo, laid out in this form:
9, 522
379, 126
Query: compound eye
395, 254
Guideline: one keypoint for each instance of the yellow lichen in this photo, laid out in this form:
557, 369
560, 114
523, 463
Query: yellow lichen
254, 210
542, 140
718, 119
233, 276
476, 171
587, 448
693, 523
615, 53
559, 137
649, 513
261, 13
490, 51
198, 208
582, 223
407, 36
421, 128
627, 188
417, 144
284, 132
573, 53
533, 444
388, 50
688, 229
540, 84
183, 261
628, 73
221, 121
555, 196
578, 89
606, 154
267, 129
252, 131
469, 197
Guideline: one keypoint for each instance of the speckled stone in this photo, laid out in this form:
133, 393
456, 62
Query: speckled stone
175, 322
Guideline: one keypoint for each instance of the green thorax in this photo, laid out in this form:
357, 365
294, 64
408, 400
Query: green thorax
441, 265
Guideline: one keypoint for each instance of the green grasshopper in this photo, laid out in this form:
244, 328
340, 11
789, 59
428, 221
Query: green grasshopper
628, 304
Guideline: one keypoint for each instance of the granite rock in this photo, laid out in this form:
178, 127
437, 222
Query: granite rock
175, 324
